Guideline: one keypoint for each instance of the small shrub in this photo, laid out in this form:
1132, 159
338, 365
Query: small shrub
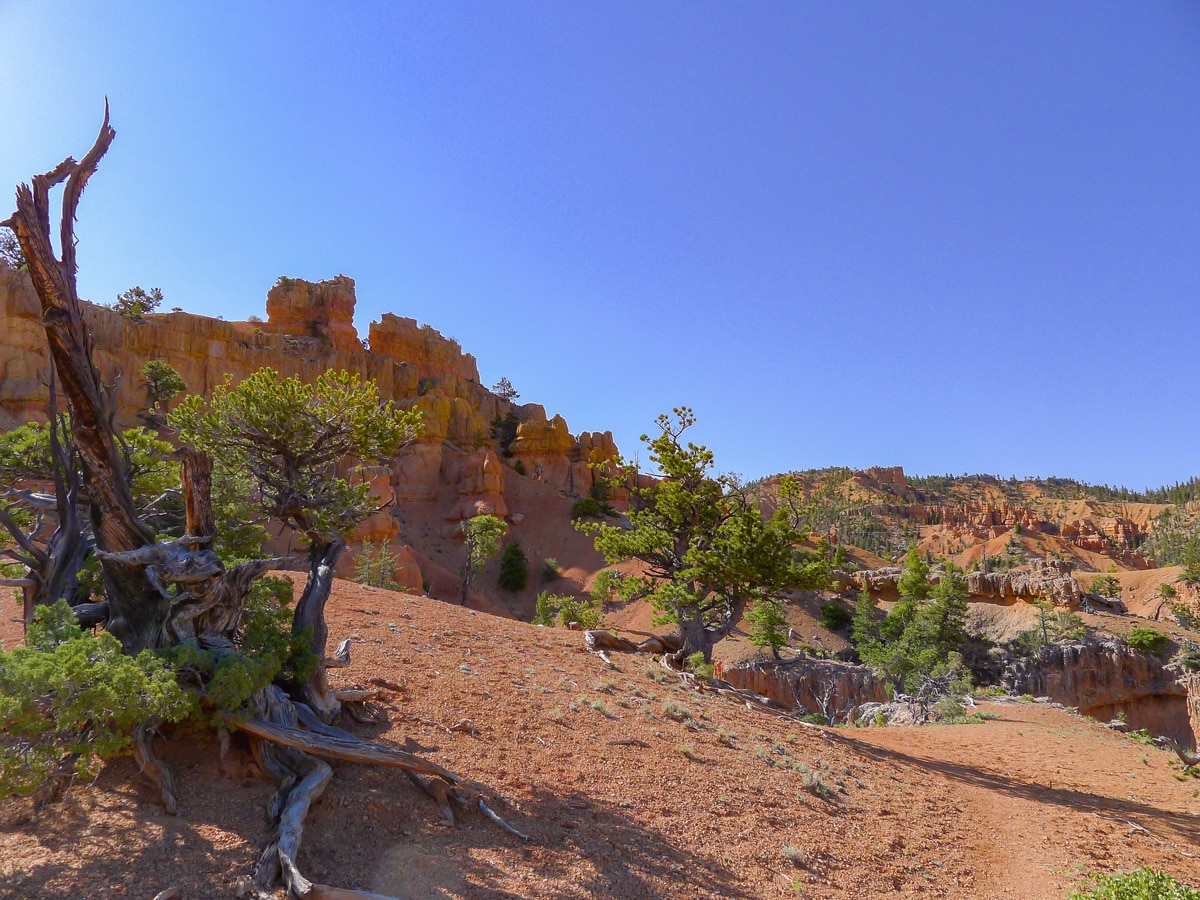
562, 609
1147, 640
1184, 616
514, 569
675, 711
519, 467
697, 666
586, 507
1141, 884
992, 690
550, 569
834, 616
69, 699
795, 855
374, 565
1142, 736
1106, 586
816, 785
1189, 656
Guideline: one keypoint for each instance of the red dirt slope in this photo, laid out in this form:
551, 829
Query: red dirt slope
714, 805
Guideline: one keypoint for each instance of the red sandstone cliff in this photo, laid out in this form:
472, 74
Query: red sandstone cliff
449, 474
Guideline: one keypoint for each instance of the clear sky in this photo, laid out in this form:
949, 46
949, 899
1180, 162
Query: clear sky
957, 237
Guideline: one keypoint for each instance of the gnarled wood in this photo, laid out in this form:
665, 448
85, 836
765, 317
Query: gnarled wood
137, 610
341, 656
1188, 758
310, 613
338, 748
52, 570
196, 477
153, 767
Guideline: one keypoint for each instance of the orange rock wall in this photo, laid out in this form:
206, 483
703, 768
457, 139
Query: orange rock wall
310, 329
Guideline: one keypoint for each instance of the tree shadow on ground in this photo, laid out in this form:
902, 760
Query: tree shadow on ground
372, 830
112, 839
1182, 827
579, 847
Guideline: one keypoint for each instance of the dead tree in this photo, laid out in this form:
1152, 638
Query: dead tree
136, 611
179, 591
51, 571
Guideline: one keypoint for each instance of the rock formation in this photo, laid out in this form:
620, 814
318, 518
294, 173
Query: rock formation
1105, 678
310, 329
1045, 578
823, 686
1193, 707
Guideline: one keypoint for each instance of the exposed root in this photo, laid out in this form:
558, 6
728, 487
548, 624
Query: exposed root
341, 656
312, 722
1188, 758
465, 726
153, 767
394, 686
291, 823
595, 639
440, 791
488, 811
360, 713
339, 748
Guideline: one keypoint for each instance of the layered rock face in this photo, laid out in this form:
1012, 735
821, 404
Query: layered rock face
310, 330
324, 311
1105, 678
823, 686
1045, 578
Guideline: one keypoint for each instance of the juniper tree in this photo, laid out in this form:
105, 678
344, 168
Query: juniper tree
293, 440
481, 536
162, 383
706, 552
177, 598
514, 569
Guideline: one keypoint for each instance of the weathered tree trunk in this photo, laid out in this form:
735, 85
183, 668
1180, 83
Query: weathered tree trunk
196, 478
700, 638
136, 610
310, 613
53, 570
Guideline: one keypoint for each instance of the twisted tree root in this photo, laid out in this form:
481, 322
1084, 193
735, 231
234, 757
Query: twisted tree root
153, 767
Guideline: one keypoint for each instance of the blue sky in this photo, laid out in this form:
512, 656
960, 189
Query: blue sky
954, 237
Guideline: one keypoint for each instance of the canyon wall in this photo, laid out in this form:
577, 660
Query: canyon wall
309, 330
1103, 679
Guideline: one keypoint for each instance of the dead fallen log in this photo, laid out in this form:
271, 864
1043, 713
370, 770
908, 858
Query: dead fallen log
339, 748
595, 639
